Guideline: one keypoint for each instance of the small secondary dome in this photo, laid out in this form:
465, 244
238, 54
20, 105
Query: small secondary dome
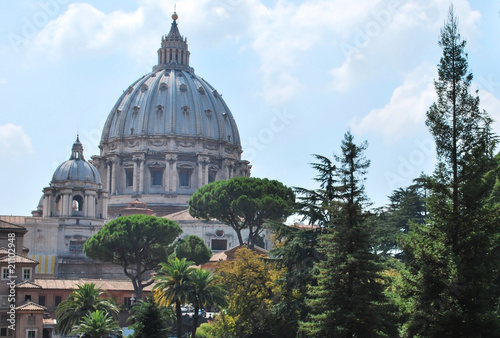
76, 168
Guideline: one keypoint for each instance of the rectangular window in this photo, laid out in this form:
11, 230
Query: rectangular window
211, 176
129, 177
5, 273
31, 334
26, 273
31, 320
156, 176
41, 300
184, 178
219, 244
4, 301
3, 332
128, 301
76, 247
58, 300
27, 298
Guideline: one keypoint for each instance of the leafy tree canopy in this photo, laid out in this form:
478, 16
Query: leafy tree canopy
150, 319
193, 248
252, 283
243, 203
138, 243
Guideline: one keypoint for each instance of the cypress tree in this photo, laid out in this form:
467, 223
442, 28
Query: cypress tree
451, 259
348, 300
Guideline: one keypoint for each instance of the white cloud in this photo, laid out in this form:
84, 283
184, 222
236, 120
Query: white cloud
13, 140
287, 37
491, 104
405, 112
83, 28
284, 36
392, 35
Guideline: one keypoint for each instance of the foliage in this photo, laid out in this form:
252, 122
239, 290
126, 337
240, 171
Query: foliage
85, 299
251, 282
348, 300
193, 248
150, 319
206, 330
96, 324
243, 203
407, 205
206, 292
315, 205
452, 260
138, 243
173, 286
296, 253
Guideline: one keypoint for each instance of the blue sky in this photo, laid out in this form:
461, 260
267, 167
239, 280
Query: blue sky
296, 75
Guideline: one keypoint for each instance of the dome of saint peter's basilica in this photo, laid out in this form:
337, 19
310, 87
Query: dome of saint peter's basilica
168, 134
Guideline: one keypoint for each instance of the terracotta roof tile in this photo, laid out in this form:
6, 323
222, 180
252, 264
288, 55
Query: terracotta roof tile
19, 259
72, 284
8, 225
28, 285
49, 321
30, 306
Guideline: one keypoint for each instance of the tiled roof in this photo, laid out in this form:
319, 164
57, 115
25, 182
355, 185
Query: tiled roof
182, 215
49, 321
222, 256
72, 284
8, 225
30, 306
19, 259
28, 285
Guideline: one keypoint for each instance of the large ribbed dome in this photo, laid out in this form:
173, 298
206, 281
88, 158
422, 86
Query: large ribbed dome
76, 168
172, 102
169, 133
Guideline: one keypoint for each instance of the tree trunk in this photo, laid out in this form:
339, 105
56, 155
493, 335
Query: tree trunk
195, 318
179, 318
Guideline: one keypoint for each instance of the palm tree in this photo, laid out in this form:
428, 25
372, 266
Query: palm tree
205, 292
85, 299
96, 324
173, 286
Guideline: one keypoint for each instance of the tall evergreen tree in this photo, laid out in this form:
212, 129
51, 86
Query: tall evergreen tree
406, 205
348, 300
315, 204
450, 260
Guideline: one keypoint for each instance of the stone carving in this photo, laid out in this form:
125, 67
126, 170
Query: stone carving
185, 144
211, 146
132, 144
157, 143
